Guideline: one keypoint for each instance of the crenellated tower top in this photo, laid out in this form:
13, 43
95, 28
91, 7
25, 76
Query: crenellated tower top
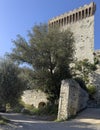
73, 16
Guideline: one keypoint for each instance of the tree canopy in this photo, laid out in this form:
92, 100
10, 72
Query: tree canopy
49, 51
11, 85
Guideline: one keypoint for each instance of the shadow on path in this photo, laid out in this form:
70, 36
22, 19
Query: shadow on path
89, 119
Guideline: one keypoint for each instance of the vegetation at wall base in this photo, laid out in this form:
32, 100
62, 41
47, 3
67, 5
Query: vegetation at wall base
3, 120
91, 89
82, 70
48, 110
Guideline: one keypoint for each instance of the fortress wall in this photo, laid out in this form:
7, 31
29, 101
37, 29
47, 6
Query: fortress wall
81, 22
83, 32
73, 16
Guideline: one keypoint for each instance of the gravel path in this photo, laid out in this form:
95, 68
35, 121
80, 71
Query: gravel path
89, 119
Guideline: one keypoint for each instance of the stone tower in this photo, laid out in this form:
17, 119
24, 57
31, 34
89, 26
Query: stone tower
81, 22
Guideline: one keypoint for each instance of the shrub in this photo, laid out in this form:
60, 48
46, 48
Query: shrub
91, 89
47, 110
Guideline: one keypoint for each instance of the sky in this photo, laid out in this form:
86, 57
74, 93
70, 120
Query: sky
19, 16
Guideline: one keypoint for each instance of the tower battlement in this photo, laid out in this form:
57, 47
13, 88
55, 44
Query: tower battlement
73, 16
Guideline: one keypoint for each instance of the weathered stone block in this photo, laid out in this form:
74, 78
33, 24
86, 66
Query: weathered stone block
72, 99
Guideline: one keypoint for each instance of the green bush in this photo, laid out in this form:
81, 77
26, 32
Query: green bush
47, 110
91, 89
17, 108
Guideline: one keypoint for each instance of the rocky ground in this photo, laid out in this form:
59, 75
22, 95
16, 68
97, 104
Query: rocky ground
89, 119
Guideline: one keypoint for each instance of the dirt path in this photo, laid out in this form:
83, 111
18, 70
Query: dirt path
89, 119
91, 116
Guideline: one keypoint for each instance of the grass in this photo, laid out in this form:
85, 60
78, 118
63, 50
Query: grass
3, 120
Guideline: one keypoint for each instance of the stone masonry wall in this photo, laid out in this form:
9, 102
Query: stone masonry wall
96, 82
72, 99
82, 99
83, 31
81, 22
34, 97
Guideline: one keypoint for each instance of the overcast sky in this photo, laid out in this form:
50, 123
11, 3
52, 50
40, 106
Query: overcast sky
19, 16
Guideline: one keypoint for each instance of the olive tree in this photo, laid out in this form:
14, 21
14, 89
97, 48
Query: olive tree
49, 52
